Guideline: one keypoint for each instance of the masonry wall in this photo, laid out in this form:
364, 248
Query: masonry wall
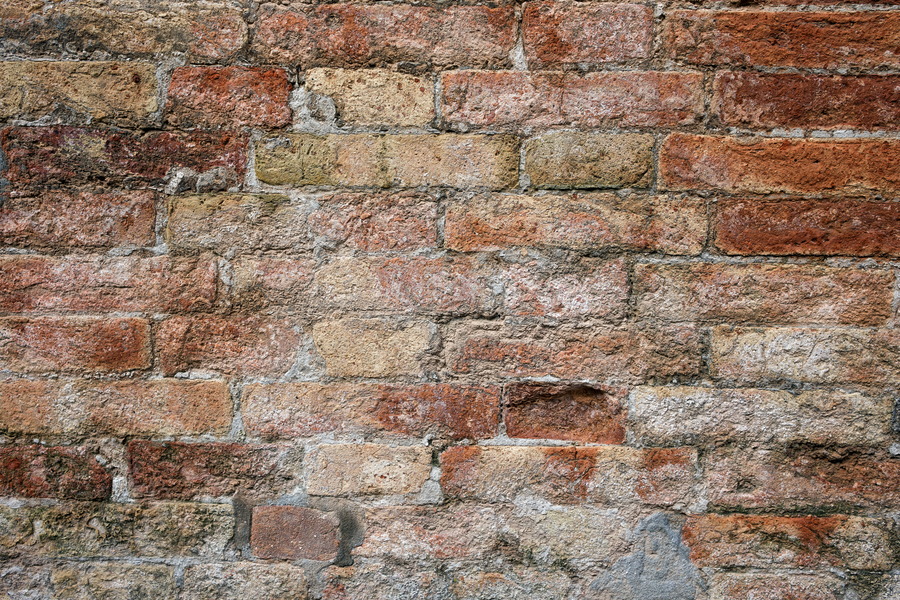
451, 300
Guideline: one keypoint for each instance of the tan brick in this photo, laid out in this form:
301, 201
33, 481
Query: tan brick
690, 415
765, 586
763, 294
372, 160
367, 469
371, 347
244, 581
273, 281
115, 92
669, 224
805, 354
373, 97
92, 580
589, 160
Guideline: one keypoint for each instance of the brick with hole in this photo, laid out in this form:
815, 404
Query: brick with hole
294, 532
572, 412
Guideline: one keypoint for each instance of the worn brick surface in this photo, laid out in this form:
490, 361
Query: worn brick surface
564, 160
35, 471
368, 469
294, 532
371, 347
245, 581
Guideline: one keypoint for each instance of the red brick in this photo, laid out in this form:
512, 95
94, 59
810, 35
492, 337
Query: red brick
96, 219
72, 155
571, 33
52, 472
824, 40
445, 411
181, 471
518, 99
35, 283
164, 407
293, 532
772, 100
575, 412
92, 344
579, 221
763, 294
771, 541
841, 227
802, 478
609, 354
228, 97
238, 344
774, 165
348, 35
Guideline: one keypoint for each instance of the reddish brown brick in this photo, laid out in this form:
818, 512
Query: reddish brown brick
763, 294
293, 532
305, 409
827, 40
570, 33
71, 155
92, 344
666, 224
165, 407
609, 354
519, 99
774, 165
576, 412
743, 99
181, 471
95, 219
244, 344
228, 97
347, 35
771, 541
841, 227
803, 478
36, 283
52, 472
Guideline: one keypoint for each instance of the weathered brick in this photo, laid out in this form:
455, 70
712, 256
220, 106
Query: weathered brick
244, 344
25, 580
668, 224
689, 415
519, 99
182, 471
367, 469
71, 155
73, 344
376, 97
374, 160
802, 478
359, 35
304, 409
609, 475
244, 581
614, 355
156, 407
116, 92
95, 219
806, 354
447, 284
273, 281
757, 165
763, 294
865, 39
576, 412
371, 347
154, 530
112, 580
381, 580
774, 100
36, 283
568, 159
770, 541
36, 471
513, 583
590, 288
848, 227
764, 586
294, 532
228, 97
202, 32
567, 34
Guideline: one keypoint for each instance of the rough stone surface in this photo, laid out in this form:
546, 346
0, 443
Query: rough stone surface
367, 469
35, 471
244, 581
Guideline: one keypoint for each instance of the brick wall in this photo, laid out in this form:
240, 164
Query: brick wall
449, 300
